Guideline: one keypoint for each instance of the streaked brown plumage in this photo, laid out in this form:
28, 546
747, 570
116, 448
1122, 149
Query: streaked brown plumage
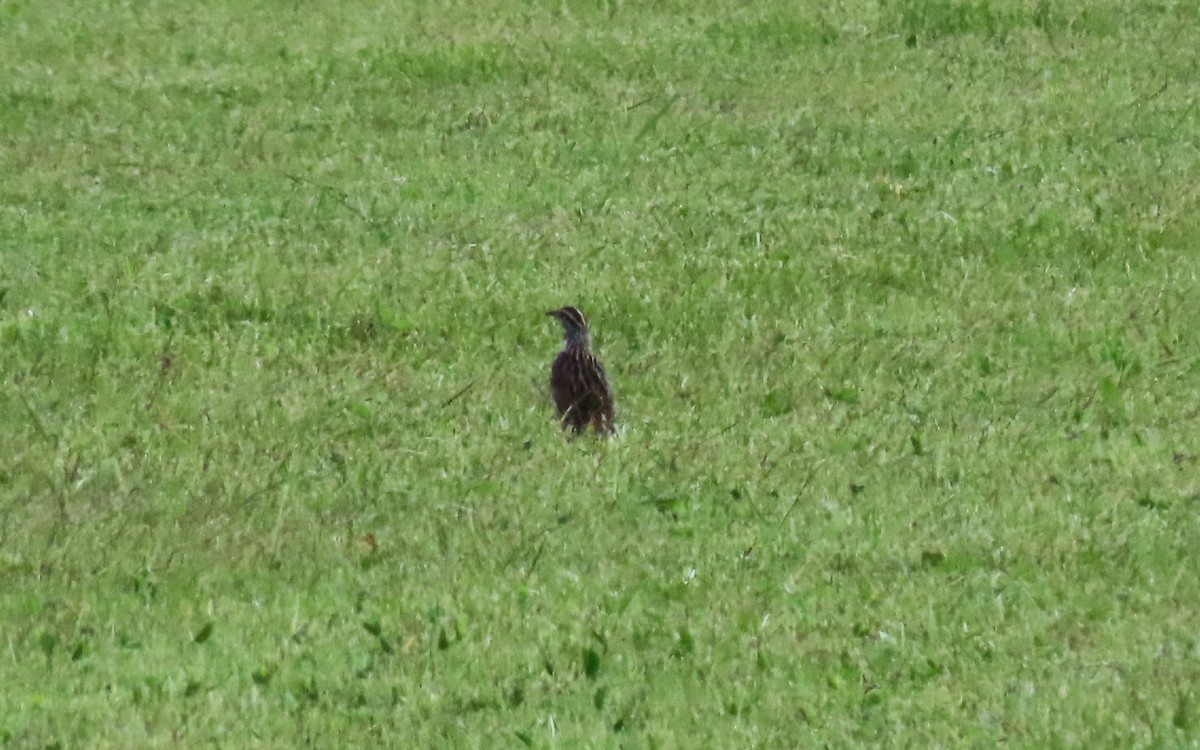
578, 384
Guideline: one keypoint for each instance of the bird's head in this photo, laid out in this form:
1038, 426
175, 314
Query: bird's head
575, 330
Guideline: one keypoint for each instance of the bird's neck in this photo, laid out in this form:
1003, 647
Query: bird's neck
576, 339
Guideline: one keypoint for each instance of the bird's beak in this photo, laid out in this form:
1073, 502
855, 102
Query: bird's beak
552, 312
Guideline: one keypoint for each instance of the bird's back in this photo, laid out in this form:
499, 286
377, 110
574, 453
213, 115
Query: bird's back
579, 387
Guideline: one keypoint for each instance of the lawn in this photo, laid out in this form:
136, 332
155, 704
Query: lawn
898, 299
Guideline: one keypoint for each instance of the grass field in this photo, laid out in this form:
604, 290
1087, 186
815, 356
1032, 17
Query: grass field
899, 300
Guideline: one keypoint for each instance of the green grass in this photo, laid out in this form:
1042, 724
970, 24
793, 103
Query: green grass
899, 301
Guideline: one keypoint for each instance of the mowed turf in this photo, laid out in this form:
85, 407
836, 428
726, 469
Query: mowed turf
898, 300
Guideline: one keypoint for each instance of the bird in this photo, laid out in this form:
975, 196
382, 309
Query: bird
578, 384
